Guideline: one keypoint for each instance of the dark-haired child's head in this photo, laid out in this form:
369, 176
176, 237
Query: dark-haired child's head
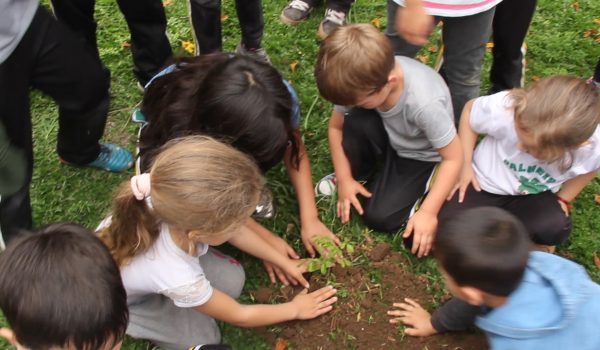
482, 251
233, 98
61, 289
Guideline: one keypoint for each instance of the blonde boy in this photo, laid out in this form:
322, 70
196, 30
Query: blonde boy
392, 127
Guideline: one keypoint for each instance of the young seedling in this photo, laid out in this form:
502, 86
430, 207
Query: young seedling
330, 255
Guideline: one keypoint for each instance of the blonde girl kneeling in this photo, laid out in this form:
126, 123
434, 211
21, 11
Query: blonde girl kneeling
199, 193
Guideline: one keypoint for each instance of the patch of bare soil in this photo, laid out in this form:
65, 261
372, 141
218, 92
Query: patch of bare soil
359, 319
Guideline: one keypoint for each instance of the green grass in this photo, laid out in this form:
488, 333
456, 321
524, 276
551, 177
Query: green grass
62, 193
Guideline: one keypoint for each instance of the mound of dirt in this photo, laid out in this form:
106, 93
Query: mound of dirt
359, 319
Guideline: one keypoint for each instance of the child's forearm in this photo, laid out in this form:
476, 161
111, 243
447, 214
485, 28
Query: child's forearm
224, 308
301, 179
571, 188
259, 229
341, 164
252, 243
446, 178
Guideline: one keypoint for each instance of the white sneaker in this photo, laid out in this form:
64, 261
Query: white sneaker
326, 186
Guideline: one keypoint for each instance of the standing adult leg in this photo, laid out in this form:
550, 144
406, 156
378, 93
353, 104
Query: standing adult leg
78, 15
15, 210
510, 26
150, 46
206, 25
252, 23
70, 75
51, 58
464, 39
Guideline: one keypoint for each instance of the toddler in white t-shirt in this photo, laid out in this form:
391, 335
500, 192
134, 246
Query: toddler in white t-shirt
198, 193
542, 146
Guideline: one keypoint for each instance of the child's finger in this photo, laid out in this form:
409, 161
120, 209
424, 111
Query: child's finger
461, 192
300, 278
362, 190
322, 311
476, 185
357, 206
412, 302
325, 293
282, 277
291, 252
411, 331
346, 211
270, 272
328, 302
408, 230
452, 192
309, 247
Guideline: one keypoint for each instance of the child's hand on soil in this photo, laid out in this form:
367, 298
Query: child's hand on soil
311, 305
312, 230
282, 247
348, 189
416, 319
467, 177
294, 268
422, 226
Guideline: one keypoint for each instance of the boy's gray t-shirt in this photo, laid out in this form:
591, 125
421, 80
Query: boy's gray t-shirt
422, 120
15, 18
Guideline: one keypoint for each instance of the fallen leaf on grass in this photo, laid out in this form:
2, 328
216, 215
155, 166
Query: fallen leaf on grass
433, 49
589, 33
597, 21
423, 58
293, 65
596, 260
376, 22
597, 198
535, 78
576, 6
224, 18
280, 344
167, 3
188, 46
125, 45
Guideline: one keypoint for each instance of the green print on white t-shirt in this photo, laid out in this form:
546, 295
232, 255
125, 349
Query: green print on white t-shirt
533, 178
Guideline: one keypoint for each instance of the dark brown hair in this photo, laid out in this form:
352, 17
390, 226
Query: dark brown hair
486, 248
60, 287
235, 99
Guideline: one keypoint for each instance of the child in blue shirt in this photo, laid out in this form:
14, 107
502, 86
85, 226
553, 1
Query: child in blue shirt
520, 299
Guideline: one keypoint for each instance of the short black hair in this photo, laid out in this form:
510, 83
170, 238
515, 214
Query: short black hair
60, 287
486, 248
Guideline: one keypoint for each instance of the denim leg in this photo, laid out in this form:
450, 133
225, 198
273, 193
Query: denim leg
464, 40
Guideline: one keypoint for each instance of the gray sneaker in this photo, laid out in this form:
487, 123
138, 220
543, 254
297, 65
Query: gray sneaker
295, 12
258, 54
332, 20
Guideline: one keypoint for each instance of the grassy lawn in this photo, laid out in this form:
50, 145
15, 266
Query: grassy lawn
564, 39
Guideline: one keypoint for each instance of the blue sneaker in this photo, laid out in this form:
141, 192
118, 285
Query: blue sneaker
112, 158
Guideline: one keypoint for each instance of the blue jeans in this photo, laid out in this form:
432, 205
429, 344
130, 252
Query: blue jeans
464, 47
